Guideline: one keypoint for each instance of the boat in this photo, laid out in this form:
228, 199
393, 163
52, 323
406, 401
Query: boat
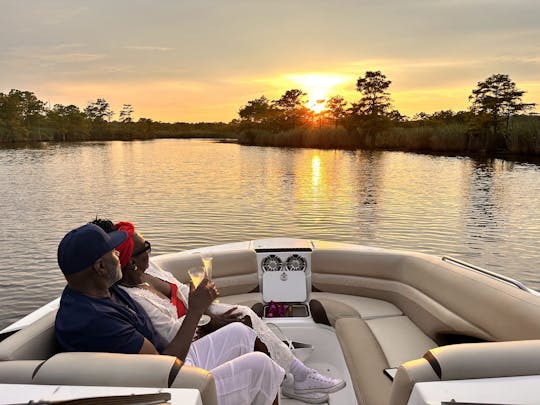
405, 328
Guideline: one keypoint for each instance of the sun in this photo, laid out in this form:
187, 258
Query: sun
319, 88
317, 103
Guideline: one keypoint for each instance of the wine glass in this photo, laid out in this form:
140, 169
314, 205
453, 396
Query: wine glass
197, 275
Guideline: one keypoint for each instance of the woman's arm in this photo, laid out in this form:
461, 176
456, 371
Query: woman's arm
199, 300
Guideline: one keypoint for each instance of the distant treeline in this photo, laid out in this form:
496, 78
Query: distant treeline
25, 118
496, 122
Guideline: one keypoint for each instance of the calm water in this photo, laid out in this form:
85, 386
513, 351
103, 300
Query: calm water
183, 194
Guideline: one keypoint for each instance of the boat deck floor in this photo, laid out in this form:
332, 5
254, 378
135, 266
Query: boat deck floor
327, 356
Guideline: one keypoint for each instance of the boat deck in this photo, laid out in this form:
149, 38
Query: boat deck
327, 356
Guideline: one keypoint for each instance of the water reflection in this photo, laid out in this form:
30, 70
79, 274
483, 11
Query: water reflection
316, 170
185, 194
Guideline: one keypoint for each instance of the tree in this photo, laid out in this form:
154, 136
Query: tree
21, 113
336, 108
291, 100
125, 113
98, 110
146, 127
256, 111
375, 99
497, 99
370, 113
396, 116
292, 108
70, 123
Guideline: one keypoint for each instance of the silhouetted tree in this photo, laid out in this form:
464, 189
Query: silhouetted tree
98, 110
292, 108
336, 109
396, 116
256, 111
125, 113
494, 101
370, 113
375, 99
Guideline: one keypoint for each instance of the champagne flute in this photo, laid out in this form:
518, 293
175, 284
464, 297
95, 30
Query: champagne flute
207, 264
197, 275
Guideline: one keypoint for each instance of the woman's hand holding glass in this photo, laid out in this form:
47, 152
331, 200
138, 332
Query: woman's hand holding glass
202, 293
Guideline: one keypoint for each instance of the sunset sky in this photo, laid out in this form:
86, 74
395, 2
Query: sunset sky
202, 60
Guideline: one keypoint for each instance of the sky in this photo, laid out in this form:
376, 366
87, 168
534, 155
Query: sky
202, 60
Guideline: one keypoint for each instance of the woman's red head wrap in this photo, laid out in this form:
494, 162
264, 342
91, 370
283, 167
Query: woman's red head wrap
126, 247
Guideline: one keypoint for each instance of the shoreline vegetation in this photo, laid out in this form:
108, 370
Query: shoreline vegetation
496, 124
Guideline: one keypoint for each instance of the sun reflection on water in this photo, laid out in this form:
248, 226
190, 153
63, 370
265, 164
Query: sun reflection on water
315, 170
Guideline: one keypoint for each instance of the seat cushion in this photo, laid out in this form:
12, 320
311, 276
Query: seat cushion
400, 339
344, 306
35, 342
336, 305
242, 299
365, 360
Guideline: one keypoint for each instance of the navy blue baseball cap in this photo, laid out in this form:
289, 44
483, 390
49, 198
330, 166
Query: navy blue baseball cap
81, 247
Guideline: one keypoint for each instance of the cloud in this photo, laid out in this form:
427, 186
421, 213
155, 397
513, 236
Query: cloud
149, 48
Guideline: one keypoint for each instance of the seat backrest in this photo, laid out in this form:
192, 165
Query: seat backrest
467, 361
18, 371
35, 342
125, 370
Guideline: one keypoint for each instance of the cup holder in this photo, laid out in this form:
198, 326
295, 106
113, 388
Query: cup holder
285, 310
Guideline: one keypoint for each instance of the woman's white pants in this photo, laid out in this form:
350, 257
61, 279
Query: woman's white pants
242, 376
279, 352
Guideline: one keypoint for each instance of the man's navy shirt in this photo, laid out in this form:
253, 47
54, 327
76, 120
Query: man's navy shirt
116, 325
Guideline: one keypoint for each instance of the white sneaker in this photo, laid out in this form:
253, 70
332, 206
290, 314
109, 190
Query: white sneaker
308, 397
316, 382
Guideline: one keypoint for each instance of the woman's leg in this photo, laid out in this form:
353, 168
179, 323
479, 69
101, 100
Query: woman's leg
278, 350
306, 380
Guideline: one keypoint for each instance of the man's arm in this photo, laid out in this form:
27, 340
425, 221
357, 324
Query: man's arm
148, 348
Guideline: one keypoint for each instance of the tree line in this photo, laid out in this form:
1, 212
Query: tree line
25, 118
495, 121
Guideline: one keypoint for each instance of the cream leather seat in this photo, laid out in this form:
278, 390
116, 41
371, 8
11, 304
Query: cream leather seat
31, 356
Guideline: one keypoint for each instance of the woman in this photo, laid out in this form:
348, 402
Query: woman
165, 300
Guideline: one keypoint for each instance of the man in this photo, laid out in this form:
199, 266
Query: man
95, 315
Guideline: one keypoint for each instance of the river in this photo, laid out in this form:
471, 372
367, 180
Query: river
184, 194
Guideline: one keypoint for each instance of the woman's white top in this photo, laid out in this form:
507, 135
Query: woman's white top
160, 310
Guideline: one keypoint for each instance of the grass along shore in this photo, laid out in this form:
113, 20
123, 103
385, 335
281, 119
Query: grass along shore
451, 138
